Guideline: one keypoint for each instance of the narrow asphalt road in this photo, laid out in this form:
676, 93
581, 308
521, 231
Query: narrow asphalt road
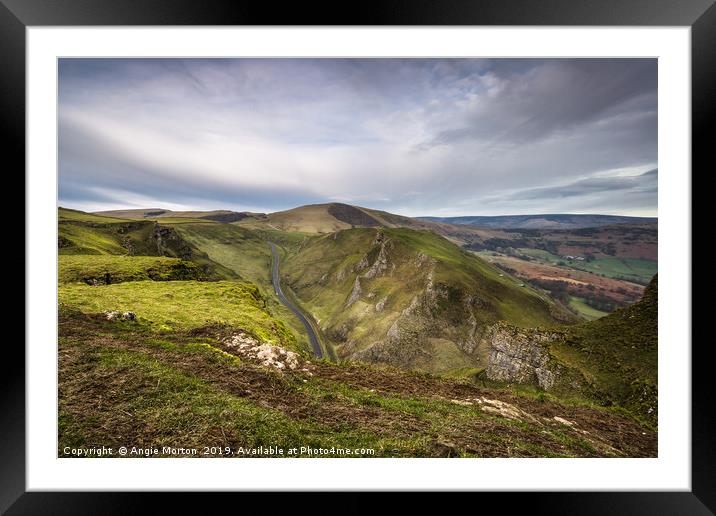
276, 279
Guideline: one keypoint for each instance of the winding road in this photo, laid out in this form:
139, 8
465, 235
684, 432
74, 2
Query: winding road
276, 279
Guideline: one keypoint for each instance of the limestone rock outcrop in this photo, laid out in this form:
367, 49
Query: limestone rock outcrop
522, 356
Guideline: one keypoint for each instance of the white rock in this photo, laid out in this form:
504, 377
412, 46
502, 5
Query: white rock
563, 421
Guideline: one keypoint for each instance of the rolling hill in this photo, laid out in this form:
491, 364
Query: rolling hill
330, 217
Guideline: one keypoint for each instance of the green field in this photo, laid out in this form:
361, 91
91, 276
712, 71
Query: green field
640, 271
622, 268
584, 309
539, 253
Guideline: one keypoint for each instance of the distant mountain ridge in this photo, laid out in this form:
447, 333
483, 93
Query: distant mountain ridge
158, 213
546, 221
329, 217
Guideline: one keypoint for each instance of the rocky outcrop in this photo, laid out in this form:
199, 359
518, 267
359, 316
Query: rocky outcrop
522, 356
469, 344
380, 264
355, 293
169, 243
266, 354
381, 304
374, 263
406, 340
114, 315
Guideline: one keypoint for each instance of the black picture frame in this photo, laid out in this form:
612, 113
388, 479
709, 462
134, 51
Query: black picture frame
17, 15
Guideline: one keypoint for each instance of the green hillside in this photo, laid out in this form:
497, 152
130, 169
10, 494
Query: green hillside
232, 246
247, 253
408, 298
172, 305
88, 234
618, 353
65, 214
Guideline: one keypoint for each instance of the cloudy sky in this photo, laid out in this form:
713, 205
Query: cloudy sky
410, 136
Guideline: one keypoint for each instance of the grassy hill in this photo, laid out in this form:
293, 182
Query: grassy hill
315, 218
408, 298
618, 353
330, 217
89, 234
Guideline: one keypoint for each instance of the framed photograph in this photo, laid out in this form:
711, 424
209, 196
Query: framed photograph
414, 250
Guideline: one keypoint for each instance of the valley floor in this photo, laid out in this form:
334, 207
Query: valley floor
123, 384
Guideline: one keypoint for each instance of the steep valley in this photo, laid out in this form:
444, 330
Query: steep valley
408, 298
